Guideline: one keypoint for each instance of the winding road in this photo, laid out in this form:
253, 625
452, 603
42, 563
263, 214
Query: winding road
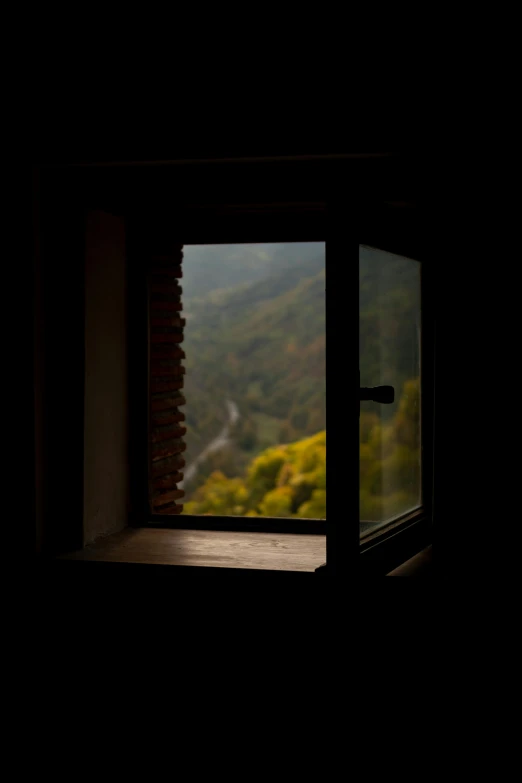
221, 440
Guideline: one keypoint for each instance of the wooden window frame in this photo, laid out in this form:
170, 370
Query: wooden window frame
394, 229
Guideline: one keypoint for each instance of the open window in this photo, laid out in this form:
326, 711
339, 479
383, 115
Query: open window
377, 442
379, 456
390, 372
397, 350
232, 348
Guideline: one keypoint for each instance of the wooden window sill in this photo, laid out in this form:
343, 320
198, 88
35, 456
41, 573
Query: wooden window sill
208, 548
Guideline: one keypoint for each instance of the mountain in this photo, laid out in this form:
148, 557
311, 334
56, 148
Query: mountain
389, 321
261, 345
283, 481
211, 268
290, 480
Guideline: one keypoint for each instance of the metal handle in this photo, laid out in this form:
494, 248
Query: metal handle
384, 394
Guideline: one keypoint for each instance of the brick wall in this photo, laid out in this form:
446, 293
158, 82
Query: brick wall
166, 371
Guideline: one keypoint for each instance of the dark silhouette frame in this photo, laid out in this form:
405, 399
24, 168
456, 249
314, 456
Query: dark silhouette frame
277, 200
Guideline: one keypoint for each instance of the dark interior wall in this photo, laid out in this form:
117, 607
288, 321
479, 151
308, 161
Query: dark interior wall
106, 480
38, 363
102, 492
58, 250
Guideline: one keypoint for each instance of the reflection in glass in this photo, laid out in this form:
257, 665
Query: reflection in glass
390, 435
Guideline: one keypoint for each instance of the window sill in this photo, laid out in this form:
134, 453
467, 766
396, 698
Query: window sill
208, 549
419, 565
391, 546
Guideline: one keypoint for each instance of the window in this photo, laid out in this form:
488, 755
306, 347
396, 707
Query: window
396, 345
216, 437
389, 355
163, 208
255, 408
237, 411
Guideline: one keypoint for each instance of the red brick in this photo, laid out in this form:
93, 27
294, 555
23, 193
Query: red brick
166, 288
166, 338
167, 404
165, 482
157, 387
173, 464
157, 369
159, 435
167, 352
174, 509
159, 452
168, 271
180, 322
165, 305
167, 497
172, 418
162, 405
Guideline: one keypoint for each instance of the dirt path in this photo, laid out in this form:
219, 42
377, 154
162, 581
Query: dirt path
221, 440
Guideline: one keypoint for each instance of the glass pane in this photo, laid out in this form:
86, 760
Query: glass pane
390, 436
255, 380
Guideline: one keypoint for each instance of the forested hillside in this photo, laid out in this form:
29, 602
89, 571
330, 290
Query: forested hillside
290, 480
260, 343
283, 481
210, 268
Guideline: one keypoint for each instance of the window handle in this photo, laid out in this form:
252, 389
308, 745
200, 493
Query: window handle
384, 394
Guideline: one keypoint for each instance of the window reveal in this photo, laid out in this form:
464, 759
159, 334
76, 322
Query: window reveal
166, 430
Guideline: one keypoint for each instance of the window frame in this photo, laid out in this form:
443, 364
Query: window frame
394, 228
65, 192
403, 229
210, 225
